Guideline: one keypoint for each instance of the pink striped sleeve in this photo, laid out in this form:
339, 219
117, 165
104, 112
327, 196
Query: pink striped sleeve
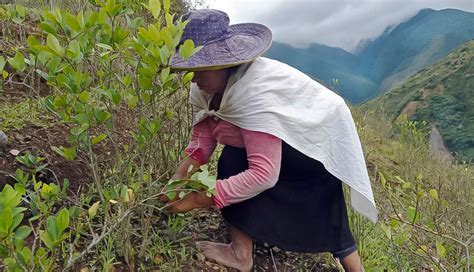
202, 143
264, 158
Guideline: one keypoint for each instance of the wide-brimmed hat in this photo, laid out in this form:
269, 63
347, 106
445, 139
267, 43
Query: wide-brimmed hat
224, 45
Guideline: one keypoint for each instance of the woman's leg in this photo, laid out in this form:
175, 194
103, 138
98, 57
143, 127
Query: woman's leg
351, 263
237, 254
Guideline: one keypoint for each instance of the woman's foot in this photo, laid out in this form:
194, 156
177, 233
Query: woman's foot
227, 254
238, 254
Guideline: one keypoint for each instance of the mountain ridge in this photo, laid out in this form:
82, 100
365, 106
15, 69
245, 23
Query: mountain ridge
441, 94
385, 61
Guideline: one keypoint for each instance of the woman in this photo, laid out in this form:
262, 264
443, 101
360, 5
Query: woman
289, 142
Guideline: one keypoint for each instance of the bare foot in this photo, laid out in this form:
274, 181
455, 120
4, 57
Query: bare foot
228, 255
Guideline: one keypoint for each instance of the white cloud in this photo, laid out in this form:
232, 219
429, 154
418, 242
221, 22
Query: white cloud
341, 23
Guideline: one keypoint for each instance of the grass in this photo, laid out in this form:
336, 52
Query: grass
404, 176
16, 114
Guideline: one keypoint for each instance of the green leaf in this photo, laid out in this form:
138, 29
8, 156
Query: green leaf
168, 38
22, 232
412, 216
18, 62
48, 28
166, 5
145, 82
52, 228
6, 219
209, 182
84, 97
59, 151
2, 63
164, 75
171, 195
186, 49
132, 102
62, 220
101, 115
69, 153
98, 138
105, 46
46, 238
154, 6
182, 194
3, 251
188, 77
75, 50
16, 220
32, 41
164, 55
43, 49
154, 34
440, 249
71, 21
82, 118
434, 194
53, 43
383, 181
93, 209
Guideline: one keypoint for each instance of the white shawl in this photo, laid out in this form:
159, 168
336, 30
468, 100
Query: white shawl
274, 98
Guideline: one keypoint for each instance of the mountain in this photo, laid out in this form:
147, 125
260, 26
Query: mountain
326, 63
380, 64
441, 94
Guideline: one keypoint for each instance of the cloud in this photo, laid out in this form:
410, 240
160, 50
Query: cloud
341, 23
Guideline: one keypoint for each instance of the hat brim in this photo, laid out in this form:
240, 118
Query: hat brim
247, 42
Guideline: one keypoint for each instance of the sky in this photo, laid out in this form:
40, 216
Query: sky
339, 23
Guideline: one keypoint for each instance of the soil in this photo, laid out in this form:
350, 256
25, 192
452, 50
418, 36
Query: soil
410, 108
38, 141
208, 225
437, 146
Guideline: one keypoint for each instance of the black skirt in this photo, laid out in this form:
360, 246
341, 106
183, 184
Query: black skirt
304, 212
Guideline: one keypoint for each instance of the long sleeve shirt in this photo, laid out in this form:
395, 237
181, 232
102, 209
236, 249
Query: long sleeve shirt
263, 154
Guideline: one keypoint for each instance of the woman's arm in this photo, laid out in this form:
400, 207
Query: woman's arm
264, 158
199, 150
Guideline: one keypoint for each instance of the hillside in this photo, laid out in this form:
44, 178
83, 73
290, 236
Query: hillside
443, 95
382, 63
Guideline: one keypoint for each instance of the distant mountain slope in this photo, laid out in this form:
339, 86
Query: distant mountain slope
326, 63
442, 94
380, 64
414, 44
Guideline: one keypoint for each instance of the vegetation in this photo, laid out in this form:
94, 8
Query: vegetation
424, 220
111, 87
444, 97
100, 75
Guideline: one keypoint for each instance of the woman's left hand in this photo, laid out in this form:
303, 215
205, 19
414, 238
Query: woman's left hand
191, 201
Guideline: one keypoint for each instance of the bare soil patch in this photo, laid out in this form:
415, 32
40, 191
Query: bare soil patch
38, 141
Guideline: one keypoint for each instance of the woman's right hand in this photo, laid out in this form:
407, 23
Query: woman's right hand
182, 173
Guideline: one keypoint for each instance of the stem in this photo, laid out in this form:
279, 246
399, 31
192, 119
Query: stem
97, 240
94, 172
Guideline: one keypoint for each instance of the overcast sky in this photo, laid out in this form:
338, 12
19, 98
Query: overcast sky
341, 23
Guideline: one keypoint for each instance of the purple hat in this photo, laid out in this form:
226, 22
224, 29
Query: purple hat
224, 45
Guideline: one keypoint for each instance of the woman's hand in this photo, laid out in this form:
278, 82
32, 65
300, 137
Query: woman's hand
189, 202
